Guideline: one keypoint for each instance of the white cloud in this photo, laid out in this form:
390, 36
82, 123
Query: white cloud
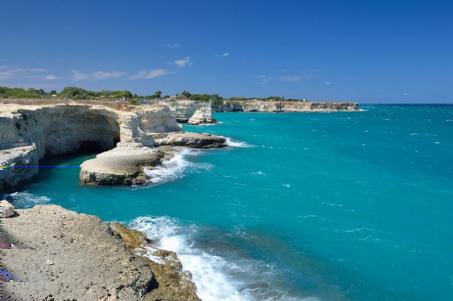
328, 83
175, 45
291, 78
405, 94
50, 77
184, 62
144, 74
7, 73
226, 54
95, 76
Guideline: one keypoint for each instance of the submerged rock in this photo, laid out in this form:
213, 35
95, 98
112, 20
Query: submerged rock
6, 209
194, 140
63, 255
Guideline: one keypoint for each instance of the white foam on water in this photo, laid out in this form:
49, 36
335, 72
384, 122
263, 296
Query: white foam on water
175, 167
234, 143
27, 200
216, 278
207, 270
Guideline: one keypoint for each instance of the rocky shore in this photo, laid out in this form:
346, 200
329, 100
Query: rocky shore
52, 253
127, 140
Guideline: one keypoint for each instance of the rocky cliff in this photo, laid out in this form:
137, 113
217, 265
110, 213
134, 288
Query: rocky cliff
28, 133
57, 254
286, 106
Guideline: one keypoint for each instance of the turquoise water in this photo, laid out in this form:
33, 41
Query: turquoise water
339, 206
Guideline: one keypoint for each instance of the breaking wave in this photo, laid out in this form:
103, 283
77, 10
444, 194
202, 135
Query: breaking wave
175, 167
216, 278
234, 143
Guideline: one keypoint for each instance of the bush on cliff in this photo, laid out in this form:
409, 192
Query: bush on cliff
22, 93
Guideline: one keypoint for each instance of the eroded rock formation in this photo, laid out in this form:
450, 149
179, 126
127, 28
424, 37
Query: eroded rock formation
202, 115
28, 133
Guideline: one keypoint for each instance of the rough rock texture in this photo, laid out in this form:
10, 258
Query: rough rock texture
182, 109
174, 283
202, 116
122, 165
192, 140
62, 255
30, 132
6, 209
287, 106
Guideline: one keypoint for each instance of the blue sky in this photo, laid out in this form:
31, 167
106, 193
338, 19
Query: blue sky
367, 51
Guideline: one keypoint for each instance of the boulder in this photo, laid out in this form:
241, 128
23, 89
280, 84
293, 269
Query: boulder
6, 209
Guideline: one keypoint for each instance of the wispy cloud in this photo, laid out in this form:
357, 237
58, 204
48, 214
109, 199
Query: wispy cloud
225, 54
264, 79
50, 77
95, 76
327, 83
291, 78
184, 62
150, 74
8, 73
175, 45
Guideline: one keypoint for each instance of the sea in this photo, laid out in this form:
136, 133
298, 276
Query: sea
299, 206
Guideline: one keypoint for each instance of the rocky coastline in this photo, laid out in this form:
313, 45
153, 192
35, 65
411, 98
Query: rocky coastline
128, 141
51, 253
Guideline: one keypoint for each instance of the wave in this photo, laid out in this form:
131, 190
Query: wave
27, 200
175, 167
234, 143
216, 277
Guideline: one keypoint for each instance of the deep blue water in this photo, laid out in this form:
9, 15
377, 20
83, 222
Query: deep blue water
336, 206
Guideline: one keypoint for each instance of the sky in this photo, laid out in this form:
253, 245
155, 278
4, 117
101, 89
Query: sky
366, 51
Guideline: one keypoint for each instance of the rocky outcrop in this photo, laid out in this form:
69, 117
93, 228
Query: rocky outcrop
182, 109
194, 140
6, 209
62, 255
30, 132
128, 164
123, 165
202, 116
174, 283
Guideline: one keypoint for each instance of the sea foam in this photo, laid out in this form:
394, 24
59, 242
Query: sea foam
175, 167
234, 143
27, 200
216, 278
211, 282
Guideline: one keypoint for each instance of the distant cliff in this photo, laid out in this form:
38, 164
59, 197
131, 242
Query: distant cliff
285, 106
